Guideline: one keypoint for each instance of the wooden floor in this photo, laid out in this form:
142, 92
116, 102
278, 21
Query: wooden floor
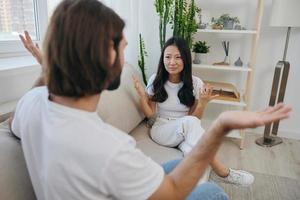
276, 169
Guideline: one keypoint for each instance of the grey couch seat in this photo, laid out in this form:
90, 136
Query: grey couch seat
158, 153
14, 178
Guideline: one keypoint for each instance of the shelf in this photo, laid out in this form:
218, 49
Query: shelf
231, 103
243, 72
227, 31
223, 67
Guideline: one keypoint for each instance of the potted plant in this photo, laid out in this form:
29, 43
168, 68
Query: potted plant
201, 49
180, 14
184, 23
165, 12
141, 58
226, 21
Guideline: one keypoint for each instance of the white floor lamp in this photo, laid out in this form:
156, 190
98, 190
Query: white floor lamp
285, 13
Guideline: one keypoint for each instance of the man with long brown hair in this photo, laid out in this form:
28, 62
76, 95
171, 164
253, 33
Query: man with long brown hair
70, 152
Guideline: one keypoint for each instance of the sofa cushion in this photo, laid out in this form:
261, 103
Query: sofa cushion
120, 107
157, 152
14, 178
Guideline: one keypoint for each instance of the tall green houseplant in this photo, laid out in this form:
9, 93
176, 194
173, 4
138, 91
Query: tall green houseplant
141, 59
181, 15
184, 23
164, 10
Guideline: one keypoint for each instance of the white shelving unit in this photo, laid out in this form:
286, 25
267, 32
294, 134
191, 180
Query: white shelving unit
241, 103
245, 70
227, 31
223, 67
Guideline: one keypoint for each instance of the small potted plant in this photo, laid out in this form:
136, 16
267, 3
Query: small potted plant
201, 49
227, 21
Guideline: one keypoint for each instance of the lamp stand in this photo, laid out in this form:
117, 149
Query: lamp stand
277, 95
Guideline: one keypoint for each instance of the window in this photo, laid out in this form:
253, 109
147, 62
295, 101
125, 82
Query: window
17, 16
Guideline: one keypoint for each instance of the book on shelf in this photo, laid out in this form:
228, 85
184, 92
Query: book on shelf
226, 91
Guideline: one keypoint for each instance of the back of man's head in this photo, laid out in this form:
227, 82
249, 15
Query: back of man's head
77, 45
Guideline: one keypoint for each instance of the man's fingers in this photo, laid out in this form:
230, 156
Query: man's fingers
22, 39
24, 42
28, 38
272, 109
283, 110
279, 112
27, 42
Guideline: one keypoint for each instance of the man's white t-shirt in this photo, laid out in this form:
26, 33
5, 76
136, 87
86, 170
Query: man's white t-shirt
171, 107
73, 154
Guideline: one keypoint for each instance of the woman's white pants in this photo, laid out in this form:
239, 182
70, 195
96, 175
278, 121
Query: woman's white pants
183, 132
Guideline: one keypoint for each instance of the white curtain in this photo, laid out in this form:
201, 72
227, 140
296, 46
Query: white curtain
129, 12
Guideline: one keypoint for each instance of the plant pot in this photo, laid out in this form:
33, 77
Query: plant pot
200, 58
228, 25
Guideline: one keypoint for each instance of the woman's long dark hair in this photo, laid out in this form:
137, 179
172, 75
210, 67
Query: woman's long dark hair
185, 94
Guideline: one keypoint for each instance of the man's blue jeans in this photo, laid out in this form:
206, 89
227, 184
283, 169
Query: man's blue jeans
205, 191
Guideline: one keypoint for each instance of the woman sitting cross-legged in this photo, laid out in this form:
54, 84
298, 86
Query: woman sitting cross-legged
177, 100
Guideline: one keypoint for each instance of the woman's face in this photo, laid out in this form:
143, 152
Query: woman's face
172, 60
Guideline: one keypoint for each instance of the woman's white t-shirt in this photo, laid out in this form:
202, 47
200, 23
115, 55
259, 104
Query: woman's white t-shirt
171, 107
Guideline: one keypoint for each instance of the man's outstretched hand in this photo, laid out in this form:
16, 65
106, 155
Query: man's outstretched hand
31, 47
230, 120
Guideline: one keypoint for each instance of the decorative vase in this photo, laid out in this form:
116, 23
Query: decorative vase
238, 62
238, 27
226, 60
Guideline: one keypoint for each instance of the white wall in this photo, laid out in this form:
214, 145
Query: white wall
270, 50
14, 82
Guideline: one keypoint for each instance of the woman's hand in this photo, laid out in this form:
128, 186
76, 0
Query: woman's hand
206, 94
31, 47
138, 86
148, 107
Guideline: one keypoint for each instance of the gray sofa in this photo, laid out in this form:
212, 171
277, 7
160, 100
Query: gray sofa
119, 108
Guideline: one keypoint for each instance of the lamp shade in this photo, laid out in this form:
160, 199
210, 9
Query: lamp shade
285, 13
